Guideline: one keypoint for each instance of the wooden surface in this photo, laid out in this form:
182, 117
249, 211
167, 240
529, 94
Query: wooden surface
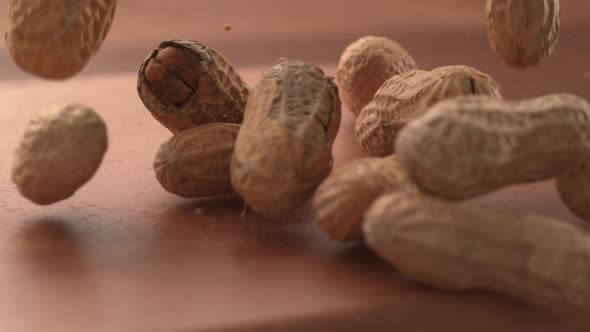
124, 255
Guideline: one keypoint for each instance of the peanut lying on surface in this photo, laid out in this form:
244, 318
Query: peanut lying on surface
365, 65
59, 152
341, 201
195, 162
536, 259
523, 32
284, 148
472, 145
184, 83
574, 190
408, 95
56, 38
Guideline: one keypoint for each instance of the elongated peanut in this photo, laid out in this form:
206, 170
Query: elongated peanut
284, 148
184, 83
574, 190
523, 32
536, 259
365, 65
406, 96
472, 145
341, 201
195, 162
56, 38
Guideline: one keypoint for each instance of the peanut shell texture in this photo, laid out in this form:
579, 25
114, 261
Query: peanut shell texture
342, 199
469, 146
195, 162
574, 190
284, 147
55, 39
539, 260
185, 83
523, 33
365, 65
59, 152
408, 95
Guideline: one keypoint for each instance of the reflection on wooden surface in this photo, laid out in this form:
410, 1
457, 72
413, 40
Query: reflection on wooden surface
124, 255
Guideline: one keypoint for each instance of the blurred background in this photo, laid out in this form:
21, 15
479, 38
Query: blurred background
113, 259
436, 32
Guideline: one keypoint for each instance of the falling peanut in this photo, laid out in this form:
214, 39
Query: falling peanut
60, 150
365, 65
55, 39
523, 32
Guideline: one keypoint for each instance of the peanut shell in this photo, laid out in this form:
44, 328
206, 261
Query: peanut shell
184, 83
523, 32
195, 162
408, 95
539, 260
55, 39
365, 65
60, 151
574, 190
341, 201
468, 146
284, 148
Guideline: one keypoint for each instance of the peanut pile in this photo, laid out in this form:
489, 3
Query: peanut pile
438, 136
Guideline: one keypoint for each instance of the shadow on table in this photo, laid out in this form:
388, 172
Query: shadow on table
50, 244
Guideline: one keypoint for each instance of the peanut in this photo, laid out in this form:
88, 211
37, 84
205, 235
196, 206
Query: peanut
523, 32
185, 83
540, 260
195, 162
55, 39
574, 190
472, 145
408, 95
341, 201
60, 151
365, 65
284, 148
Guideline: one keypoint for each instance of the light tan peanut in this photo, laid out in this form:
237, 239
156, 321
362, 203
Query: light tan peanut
407, 96
365, 65
536, 259
184, 83
284, 148
472, 145
195, 162
341, 201
574, 190
56, 38
60, 151
523, 32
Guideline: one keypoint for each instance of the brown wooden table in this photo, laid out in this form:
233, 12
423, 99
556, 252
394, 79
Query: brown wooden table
124, 255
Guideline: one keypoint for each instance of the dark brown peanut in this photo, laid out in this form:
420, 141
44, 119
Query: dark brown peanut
185, 83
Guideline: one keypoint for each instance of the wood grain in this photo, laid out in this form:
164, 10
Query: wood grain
124, 255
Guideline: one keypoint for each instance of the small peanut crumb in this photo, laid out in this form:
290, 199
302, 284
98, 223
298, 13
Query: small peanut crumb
227, 27
586, 74
198, 211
